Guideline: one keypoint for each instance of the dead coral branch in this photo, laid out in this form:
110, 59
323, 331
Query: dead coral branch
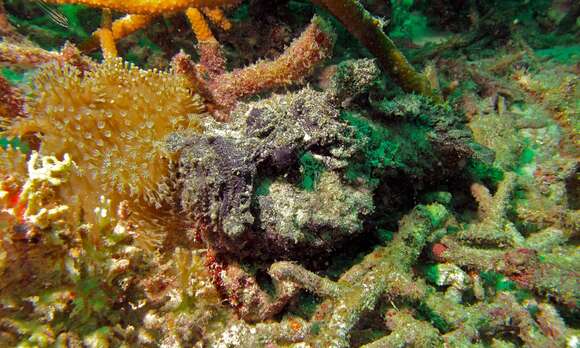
387, 270
367, 29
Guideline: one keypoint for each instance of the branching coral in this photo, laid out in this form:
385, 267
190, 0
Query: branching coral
527, 261
284, 212
39, 188
224, 89
150, 7
26, 56
386, 271
141, 13
369, 31
27, 208
350, 12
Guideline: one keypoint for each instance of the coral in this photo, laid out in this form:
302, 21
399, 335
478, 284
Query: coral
26, 57
129, 216
28, 208
12, 160
11, 101
558, 92
383, 272
225, 89
87, 276
149, 7
39, 186
116, 137
514, 256
368, 30
141, 13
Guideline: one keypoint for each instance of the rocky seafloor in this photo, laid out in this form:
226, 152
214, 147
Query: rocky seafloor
289, 173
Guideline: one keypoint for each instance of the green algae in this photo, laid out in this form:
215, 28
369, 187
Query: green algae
15, 143
310, 171
386, 147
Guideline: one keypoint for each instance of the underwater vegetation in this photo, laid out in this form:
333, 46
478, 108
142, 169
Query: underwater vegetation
326, 173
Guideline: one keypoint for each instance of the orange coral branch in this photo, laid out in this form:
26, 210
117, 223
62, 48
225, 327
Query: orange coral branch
217, 16
149, 7
121, 27
105, 35
223, 90
142, 13
199, 25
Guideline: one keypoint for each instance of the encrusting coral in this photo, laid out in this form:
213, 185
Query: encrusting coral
11, 101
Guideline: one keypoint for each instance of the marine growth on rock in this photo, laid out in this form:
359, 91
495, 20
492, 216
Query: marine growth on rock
294, 173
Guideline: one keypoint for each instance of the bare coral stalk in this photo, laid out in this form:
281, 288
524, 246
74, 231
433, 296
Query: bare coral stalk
121, 27
368, 30
105, 35
407, 332
313, 46
385, 271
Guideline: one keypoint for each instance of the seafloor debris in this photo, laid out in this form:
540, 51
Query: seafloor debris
213, 205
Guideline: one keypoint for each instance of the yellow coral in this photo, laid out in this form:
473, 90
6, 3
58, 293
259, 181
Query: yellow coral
113, 121
141, 13
12, 162
44, 173
149, 7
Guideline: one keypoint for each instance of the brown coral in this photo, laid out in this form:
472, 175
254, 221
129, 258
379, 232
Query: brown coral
225, 89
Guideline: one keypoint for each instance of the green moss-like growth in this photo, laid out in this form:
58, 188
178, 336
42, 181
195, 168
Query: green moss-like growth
15, 143
395, 146
310, 171
415, 137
